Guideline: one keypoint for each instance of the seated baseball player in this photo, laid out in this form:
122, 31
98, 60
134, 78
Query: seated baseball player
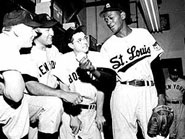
45, 104
17, 32
78, 71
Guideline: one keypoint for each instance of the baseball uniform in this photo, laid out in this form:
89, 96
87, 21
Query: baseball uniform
174, 96
47, 110
66, 71
14, 122
131, 57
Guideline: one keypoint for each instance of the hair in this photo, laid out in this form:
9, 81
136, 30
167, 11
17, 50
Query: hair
78, 31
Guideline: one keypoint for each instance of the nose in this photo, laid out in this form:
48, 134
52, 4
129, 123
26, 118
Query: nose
51, 32
34, 33
108, 21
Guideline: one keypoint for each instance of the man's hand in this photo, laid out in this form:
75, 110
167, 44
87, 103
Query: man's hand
100, 121
86, 64
73, 97
75, 124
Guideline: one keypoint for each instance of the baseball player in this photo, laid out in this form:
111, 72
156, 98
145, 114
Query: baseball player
43, 96
17, 33
175, 89
89, 123
134, 54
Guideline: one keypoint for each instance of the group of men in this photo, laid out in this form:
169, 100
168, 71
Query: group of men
36, 87
33, 93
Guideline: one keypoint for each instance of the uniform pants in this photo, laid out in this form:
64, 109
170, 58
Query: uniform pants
45, 114
130, 104
89, 128
177, 129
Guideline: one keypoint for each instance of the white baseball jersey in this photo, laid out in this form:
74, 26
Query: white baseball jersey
175, 91
39, 64
10, 56
131, 57
15, 121
66, 71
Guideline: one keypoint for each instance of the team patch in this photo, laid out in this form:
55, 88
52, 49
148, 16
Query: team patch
156, 46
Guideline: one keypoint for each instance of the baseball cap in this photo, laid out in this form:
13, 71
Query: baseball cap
45, 20
72, 30
173, 71
110, 6
19, 16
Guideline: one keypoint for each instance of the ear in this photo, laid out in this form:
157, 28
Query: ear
71, 45
123, 15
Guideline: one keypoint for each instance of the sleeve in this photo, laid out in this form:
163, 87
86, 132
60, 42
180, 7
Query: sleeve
158, 75
9, 60
156, 49
28, 66
107, 80
28, 78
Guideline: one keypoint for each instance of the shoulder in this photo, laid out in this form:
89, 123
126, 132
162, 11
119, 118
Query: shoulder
141, 31
65, 57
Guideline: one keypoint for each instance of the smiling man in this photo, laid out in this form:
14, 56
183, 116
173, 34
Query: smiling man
18, 32
42, 92
70, 68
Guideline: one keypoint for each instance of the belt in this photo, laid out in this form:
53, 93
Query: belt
174, 101
138, 83
90, 106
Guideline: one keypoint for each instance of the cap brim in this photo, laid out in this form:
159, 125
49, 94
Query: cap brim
32, 24
48, 24
107, 10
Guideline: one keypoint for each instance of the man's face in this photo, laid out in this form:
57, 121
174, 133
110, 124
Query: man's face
174, 77
25, 35
46, 36
114, 20
80, 42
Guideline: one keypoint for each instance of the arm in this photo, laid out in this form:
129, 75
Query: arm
104, 79
39, 89
100, 120
14, 85
159, 80
13, 88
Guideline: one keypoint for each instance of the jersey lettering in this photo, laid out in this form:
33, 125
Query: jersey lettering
117, 61
138, 53
176, 87
134, 56
44, 68
73, 77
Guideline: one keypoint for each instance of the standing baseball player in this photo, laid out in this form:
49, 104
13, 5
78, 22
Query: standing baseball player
17, 33
88, 123
134, 54
175, 91
43, 96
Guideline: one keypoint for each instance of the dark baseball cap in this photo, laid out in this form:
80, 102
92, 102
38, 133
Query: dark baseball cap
110, 6
19, 16
45, 20
71, 31
173, 71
